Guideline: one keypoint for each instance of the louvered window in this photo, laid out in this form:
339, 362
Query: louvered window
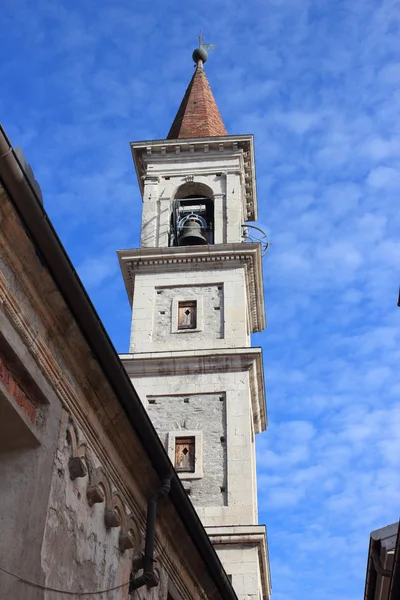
184, 454
187, 315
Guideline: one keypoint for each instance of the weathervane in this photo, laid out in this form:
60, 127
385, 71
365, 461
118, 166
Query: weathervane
205, 46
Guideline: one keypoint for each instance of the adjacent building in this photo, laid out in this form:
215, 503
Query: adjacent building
383, 564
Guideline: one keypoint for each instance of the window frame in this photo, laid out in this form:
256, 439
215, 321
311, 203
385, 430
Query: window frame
175, 314
198, 452
187, 440
188, 304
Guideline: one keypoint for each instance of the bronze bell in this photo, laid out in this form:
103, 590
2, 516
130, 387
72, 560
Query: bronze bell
191, 235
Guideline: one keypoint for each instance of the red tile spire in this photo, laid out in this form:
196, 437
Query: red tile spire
198, 115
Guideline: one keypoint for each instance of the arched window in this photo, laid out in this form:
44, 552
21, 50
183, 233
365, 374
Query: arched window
192, 218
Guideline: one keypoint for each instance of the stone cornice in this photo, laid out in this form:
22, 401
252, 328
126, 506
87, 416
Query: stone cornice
189, 362
253, 535
219, 256
207, 146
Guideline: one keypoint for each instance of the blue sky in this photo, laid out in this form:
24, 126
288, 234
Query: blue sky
317, 82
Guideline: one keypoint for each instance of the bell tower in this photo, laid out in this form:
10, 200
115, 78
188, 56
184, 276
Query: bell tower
196, 290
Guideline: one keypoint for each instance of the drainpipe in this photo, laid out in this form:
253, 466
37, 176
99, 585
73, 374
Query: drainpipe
148, 577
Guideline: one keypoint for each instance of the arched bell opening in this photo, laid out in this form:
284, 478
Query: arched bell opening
192, 217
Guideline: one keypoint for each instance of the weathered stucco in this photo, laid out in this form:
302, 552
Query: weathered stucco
89, 557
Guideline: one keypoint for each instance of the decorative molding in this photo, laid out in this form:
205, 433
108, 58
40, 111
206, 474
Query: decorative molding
76, 464
191, 362
34, 342
58, 380
79, 460
220, 256
99, 490
150, 150
245, 535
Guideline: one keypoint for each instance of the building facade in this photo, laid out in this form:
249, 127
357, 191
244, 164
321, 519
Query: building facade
382, 580
90, 506
196, 291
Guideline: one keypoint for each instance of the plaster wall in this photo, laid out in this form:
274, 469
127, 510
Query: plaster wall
223, 328
79, 552
26, 459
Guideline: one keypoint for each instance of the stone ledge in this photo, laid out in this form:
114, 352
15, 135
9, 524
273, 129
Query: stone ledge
244, 535
184, 362
175, 259
233, 143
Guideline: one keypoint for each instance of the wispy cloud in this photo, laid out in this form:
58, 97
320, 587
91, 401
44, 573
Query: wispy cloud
318, 84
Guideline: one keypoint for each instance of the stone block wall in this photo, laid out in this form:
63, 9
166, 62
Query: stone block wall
220, 172
224, 307
206, 414
240, 506
242, 563
210, 313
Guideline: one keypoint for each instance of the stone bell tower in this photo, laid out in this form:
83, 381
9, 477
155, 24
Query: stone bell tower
196, 291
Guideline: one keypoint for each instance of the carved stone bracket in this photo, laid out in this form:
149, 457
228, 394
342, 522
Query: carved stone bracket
76, 464
99, 490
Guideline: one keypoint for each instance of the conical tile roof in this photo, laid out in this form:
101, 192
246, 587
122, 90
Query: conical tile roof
198, 115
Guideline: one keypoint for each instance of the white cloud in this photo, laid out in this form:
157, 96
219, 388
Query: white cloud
94, 271
317, 83
384, 177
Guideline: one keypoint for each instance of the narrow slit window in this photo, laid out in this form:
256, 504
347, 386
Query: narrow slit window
187, 314
184, 454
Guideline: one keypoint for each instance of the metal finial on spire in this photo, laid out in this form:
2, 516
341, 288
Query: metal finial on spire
200, 54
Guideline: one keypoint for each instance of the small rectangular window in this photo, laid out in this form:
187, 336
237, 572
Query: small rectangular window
184, 454
187, 314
